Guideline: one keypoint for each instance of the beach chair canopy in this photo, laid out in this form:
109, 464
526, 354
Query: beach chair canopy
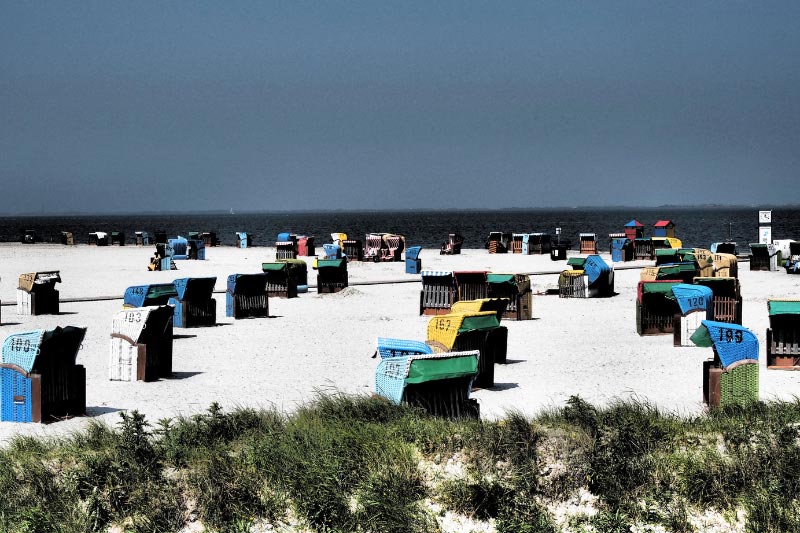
661, 289
147, 295
331, 263
195, 289
576, 262
732, 342
28, 281
497, 305
390, 347
285, 236
275, 267
692, 297
133, 322
412, 252
39, 349
595, 267
247, 283
435, 274
783, 307
332, 251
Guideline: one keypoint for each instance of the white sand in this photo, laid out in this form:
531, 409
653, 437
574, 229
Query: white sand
324, 343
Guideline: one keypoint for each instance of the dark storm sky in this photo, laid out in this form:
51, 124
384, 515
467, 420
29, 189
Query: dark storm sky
132, 106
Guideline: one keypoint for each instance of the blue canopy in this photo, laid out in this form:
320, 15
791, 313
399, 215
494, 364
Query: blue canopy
594, 266
732, 342
413, 252
194, 288
692, 297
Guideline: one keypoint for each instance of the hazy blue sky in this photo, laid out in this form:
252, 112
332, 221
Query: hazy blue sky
128, 106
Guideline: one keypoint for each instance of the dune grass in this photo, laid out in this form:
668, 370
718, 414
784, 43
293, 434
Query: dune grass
359, 464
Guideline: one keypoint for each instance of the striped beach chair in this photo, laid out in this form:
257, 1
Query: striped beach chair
438, 292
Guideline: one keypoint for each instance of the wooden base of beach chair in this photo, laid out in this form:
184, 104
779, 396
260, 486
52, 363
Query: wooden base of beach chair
783, 349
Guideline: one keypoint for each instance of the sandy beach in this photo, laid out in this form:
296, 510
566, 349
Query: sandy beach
323, 343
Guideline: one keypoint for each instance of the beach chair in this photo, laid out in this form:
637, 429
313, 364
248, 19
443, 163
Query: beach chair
684, 272
572, 284
280, 284
298, 271
286, 249
588, 243
197, 249
453, 245
141, 344
338, 238
413, 262
194, 305
162, 259
28, 237
665, 243
792, 264
763, 257
67, 238
727, 247
149, 295
438, 383
353, 249
142, 238
331, 275
516, 288
39, 380
516, 242
538, 243
305, 246
246, 296
666, 256
726, 304
243, 239
480, 331
702, 259
643, 249
694, 302
731, 377
656, 307
180, 248
372, 247
37, 294
725, 265
470, 284
621, 249
783, 335
209, 238
118, 237
393, 246
438, 292
498, 242
98, 238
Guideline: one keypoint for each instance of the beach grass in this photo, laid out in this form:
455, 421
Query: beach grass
350, 463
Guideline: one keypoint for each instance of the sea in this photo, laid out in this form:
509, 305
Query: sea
697, 227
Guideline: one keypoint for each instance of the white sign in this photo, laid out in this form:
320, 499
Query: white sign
765, 235
765, 217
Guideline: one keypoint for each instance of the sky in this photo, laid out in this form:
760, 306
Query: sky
111, 106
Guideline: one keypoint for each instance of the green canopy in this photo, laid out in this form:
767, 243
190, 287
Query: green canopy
667, 251
659, 287
500, 278
161, 290
423, 370
702, 338
783, 307
472, 323
576, 262
331, 263
274, 267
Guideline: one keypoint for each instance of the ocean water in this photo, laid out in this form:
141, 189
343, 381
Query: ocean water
695, 226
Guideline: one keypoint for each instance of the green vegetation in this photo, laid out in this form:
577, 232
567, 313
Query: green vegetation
353, 464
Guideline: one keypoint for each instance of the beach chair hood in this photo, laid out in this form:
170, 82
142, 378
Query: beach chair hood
692, 297
732, 342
